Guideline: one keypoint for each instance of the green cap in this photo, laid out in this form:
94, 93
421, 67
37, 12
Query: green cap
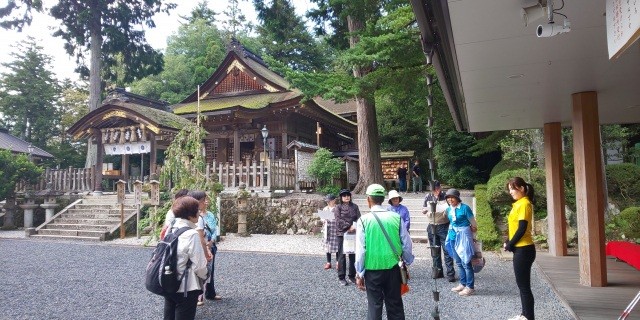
375, 190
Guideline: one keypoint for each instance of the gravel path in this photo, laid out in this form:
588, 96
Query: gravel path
259, 277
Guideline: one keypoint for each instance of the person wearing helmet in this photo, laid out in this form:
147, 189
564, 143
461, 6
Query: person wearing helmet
346, 214
378, 255
459, 241
401, 210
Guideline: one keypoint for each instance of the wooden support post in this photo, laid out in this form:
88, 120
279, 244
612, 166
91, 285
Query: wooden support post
556, 219
589, 189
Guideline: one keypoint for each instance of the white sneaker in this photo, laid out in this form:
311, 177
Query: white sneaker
518, 317
466, 292
457, 288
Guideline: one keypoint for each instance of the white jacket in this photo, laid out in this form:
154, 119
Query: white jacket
190, 248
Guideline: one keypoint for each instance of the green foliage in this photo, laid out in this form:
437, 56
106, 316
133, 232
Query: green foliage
523, 148
500, 199
16, 168
28, 94
284, 36
623, 184
453, 158
324, 168
615, 137
503, 166
625, 225
487, 229
192, 55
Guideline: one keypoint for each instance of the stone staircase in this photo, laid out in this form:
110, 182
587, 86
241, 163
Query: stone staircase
93, 218
413, 202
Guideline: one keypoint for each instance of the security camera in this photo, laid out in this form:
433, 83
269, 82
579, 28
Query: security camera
551, 29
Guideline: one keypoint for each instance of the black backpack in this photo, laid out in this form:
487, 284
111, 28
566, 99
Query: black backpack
162, 272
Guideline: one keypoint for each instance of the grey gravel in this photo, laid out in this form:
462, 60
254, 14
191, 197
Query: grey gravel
77, 280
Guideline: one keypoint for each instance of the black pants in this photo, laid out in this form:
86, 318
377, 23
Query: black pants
384, 286
437, 236
342, 262
177, 307
210, 287
329, 257
523, 258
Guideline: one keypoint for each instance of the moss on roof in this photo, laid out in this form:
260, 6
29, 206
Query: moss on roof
162, 118
397, 154
255, 101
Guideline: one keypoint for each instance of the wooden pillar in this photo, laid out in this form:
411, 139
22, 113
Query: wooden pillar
236, 146
125, 167
99, 161
285, 151
153, 156
589, 189
556, 218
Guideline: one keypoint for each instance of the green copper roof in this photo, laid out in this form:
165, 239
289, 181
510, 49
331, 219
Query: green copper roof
162, 118
254, 101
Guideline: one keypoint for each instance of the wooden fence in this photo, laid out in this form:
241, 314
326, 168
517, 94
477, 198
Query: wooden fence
62, 180
255, 175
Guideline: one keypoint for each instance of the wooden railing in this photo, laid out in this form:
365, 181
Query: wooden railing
255, 175
62, 180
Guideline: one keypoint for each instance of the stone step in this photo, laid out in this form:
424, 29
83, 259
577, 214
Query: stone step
96, 227
87, 221
98, 212
73, 233
59, 237
95, 206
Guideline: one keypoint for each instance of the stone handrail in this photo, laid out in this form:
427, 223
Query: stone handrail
59, 213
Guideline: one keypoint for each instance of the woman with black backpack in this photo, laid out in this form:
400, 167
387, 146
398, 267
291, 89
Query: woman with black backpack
191, 265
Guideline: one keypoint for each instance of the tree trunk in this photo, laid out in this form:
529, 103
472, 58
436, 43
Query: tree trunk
368, 139
94, 74
9, 208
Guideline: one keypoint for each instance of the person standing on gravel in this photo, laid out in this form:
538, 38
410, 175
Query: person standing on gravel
346, 214
329, 241
521, 242
378, 272
437, 231
169, 218
207, 227
401, 210
177, 305
460, 241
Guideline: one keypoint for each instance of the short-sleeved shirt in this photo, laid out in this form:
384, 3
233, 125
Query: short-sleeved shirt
459, 216
402, 173
416, 169
209, 224
521, 210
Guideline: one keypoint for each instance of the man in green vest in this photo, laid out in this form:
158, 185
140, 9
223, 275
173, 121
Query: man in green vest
377, 269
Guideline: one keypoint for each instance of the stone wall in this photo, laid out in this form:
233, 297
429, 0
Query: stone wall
292, 214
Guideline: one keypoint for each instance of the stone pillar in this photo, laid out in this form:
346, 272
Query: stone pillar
49, 206
553, 165
587, 152
28, 207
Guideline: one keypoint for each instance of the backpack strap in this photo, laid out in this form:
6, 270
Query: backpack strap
185, 274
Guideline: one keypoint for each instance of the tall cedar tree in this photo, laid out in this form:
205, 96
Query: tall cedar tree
284, 36
104, 28
202, 12
28, 94
380, 48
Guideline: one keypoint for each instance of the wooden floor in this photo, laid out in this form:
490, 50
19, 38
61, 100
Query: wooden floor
590, 303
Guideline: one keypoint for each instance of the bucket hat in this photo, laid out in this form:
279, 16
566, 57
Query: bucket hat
329, 197
394, 194
453, 193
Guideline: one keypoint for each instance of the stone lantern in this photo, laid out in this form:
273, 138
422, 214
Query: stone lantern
242, 201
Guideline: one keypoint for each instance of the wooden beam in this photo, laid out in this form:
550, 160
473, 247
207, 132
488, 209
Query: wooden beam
589, 189
553, 165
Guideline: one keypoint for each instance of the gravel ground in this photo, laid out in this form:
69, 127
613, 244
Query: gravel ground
259, 277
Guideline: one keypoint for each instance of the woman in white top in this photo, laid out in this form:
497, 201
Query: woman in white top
177, 306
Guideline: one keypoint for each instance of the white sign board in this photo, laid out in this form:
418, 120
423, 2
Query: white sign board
623, 25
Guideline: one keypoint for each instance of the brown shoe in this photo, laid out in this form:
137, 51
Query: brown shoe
327, 266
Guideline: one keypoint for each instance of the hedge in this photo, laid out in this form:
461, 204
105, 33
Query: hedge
500, 199
487, 229
628, 223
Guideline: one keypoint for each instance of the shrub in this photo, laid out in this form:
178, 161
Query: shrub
623, 184
487, 229
628, 223
324, 167
503, 166
500, 200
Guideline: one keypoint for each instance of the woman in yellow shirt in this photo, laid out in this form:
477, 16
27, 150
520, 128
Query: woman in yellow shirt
521, 242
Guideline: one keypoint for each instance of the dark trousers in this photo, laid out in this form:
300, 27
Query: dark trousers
402, 185
342, 262
384, 286
329, 257
177, 307
437, 238
210, 287
523, 258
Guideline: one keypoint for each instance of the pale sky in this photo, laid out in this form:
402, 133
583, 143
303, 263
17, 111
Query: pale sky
63, 65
